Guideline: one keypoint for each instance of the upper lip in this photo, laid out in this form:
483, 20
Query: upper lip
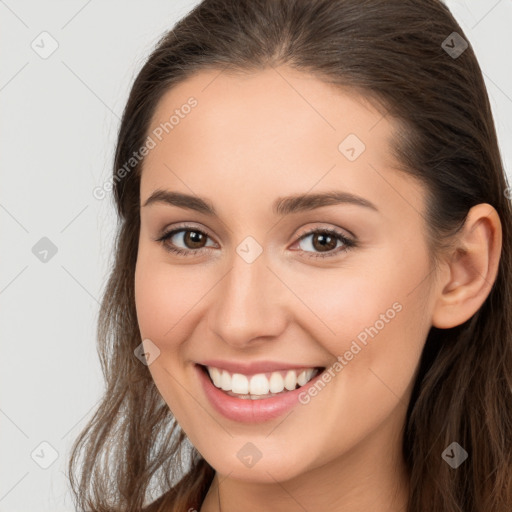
254, 367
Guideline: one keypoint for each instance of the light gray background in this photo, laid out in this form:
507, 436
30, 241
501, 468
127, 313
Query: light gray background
59, 121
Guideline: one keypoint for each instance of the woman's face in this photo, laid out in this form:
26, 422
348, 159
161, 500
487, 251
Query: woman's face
265, 278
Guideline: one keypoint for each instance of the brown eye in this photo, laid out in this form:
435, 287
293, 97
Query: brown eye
189, 241
194, 239
324, 243
184, 241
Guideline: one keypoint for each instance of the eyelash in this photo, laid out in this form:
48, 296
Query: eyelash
348, 243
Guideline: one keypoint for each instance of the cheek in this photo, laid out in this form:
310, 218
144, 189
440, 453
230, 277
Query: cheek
164, 301
374, 319
152, 300
163, 297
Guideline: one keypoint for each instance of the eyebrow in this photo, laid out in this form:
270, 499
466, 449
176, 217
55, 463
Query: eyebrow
281, 206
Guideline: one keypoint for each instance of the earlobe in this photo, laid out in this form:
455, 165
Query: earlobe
472, 268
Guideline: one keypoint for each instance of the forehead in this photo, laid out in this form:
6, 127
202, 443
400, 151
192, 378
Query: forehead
272, 132
263, 103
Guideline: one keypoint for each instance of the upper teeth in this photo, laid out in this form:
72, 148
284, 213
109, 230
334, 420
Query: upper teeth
261, 383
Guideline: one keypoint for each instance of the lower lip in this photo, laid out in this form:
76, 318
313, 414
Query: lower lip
248, 410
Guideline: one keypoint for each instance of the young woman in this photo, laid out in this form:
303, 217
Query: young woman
310, 302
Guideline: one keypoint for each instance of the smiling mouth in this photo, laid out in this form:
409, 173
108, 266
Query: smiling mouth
261, 385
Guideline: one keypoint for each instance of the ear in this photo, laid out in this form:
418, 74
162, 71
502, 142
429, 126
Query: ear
470, 269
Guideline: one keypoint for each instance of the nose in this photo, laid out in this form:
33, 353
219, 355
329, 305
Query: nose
250, 304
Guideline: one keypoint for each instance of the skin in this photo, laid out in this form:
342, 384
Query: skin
241, 148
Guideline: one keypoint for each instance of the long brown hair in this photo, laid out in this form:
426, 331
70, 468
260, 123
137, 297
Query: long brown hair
132, 450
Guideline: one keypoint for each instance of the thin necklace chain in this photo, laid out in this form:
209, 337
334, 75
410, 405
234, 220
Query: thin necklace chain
218, 497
